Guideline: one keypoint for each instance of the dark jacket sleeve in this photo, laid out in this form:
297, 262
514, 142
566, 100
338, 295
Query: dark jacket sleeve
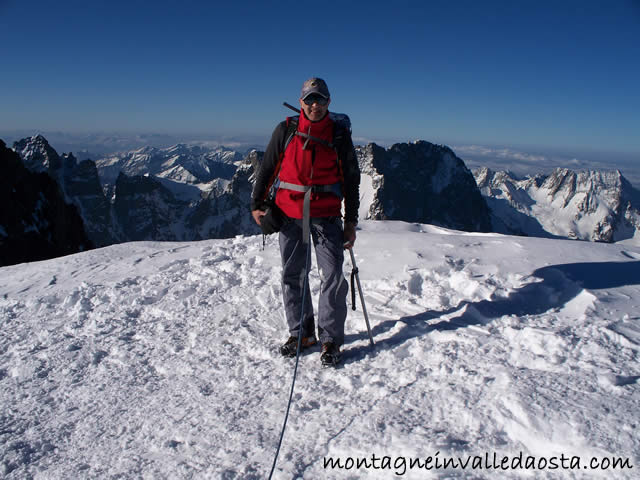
267, 168
351, 172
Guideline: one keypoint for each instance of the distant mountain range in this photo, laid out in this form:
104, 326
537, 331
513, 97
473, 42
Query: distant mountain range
177, 193
179, 163
184, 193
589, 205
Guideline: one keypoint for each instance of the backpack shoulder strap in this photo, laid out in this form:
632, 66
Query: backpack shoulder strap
272, 186
342, 127
292, 128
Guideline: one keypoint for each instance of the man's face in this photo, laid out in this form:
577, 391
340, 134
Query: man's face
316, 111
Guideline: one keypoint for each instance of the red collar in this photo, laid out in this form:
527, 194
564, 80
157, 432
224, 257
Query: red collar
321, 129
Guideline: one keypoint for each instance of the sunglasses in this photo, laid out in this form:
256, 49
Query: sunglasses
319, 99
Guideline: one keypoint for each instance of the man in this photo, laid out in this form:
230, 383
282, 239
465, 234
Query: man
312, 156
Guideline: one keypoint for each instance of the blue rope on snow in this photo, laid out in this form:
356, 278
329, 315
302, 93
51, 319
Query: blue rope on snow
295, 370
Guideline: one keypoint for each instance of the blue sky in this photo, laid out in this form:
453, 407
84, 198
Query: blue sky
559, 74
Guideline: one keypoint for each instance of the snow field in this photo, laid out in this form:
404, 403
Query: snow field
159, 360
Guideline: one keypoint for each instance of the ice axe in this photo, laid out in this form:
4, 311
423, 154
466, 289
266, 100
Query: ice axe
291, 107
355, 273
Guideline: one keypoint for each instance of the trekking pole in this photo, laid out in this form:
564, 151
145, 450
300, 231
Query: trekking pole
355, 273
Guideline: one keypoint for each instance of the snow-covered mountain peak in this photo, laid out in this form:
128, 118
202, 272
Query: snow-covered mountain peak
143, 154
587, 205
191, 164
568, 183
485, 176
178, 147
37, 154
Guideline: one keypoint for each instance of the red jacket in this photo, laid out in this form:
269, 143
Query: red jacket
317, 164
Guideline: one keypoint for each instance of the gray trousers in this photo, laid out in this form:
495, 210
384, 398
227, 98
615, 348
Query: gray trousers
327, 235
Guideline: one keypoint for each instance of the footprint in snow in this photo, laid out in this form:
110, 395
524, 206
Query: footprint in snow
618, 380
415, 284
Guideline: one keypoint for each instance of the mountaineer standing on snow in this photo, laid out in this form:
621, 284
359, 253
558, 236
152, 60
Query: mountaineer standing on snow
311, 163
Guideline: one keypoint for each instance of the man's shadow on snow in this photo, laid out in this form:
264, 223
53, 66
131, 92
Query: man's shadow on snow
558, 285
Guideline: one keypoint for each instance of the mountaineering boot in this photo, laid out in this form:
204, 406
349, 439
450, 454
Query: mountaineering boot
290, 347
331, 355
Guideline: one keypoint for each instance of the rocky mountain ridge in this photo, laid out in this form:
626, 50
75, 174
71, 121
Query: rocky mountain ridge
587, 205
424, 183
163, 194
413, 182
180, 163
36, 223
173, 204
79, 183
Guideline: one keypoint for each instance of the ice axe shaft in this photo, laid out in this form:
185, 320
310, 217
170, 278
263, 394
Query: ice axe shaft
291, 107
364, 308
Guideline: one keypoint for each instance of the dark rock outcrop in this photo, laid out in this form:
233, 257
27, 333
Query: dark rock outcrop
146, 210
79, 182
424, 183
35, 221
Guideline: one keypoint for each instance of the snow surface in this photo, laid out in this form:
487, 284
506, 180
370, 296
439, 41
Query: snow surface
159, 360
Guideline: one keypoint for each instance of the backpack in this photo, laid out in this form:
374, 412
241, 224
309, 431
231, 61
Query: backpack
274, 219
342, 128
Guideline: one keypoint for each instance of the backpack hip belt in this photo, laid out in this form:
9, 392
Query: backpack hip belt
306, 205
